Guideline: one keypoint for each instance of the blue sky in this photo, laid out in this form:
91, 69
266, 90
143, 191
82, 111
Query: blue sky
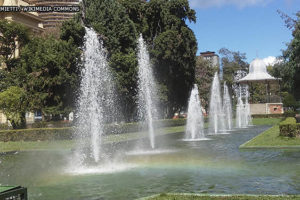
249, 26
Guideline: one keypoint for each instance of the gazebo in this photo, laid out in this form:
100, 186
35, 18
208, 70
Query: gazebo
258, 74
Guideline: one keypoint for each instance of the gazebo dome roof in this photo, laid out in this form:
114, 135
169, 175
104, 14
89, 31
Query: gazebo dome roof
257, 72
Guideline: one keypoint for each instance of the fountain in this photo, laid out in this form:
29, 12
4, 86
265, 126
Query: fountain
146, 90
247, 108
96, 99
194, 127
239, 109
243, 115
227, 108
216, 115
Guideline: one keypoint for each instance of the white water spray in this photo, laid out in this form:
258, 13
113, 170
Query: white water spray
194, 127
96, 101
147, 106
243, 115
216, 115
227, 108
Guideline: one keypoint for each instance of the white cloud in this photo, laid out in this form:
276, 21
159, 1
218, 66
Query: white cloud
271, 60
219, 3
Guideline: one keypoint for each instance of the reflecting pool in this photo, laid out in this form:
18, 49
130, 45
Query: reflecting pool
209, 166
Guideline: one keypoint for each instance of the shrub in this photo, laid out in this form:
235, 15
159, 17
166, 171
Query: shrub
5, 127
51, 124
289, 128
38, 134
267, 115
289, 113
66, 133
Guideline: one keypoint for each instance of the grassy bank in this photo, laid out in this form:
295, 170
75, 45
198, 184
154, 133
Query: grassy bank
265, 121
69, 144
271, 139
221, 197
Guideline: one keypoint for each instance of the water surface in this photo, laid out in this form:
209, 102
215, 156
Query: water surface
209, 166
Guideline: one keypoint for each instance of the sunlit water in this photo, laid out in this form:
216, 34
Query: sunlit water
227, 108
194, 125
211, 166
96, 104
147, 92
216, 115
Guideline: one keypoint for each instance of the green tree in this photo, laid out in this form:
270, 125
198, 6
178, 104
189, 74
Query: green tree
204, 74
234, 66
72, 30
48, 71
171, 43
13, 105
118, 33
292, 60
289, 101
12, 38
173, 48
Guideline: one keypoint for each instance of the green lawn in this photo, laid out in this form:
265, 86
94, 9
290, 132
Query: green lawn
220, 197
271, 138
69, 144
266, 121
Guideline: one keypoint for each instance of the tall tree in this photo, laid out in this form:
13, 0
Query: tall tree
234, 67
12, 38
171, 43
173, 48
49, 74
204, 74
289, 69
118, 33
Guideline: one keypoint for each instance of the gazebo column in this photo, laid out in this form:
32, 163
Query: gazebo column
266, 92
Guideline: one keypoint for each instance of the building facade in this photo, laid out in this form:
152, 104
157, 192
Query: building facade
29, 19
212, 57
53, 19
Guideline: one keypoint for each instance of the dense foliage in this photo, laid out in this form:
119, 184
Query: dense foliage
13, 105
46, 71
289, 69
46, 68
171, 43
12, 38
204, 74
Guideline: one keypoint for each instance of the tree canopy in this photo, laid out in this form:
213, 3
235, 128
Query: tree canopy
172, 45
289, 68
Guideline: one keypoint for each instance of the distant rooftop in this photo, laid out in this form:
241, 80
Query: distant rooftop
208, 54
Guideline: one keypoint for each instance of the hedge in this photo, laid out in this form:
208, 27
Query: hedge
289, 128
268, 115
37, 134
66, 133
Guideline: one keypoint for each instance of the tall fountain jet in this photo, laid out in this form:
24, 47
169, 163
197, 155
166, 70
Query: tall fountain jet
147, 92
227, 108
243, 115
239, 110
216, 115
194, 127
247, 108
96, 101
